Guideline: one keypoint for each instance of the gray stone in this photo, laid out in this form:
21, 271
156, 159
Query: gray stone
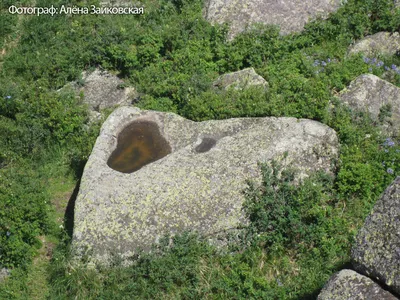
371, 94
198, 186
103, 90
376, 252
4, 274
240, 80
385, 43
100, 90
290, 15
349, 285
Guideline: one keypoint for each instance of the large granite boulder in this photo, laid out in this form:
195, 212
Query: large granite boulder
379, 43
240, 80
376, 252
349, 285
290, 15
176, 175
380, 98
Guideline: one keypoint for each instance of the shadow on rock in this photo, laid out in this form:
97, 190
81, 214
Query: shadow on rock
70, 211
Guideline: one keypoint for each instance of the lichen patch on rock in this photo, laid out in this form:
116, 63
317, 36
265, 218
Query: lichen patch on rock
290, 15
376, 252
198, 186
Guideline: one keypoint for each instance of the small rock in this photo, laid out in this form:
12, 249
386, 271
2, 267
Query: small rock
349, 285
385, 43
102, 90
4, 273
371, 94
240, 80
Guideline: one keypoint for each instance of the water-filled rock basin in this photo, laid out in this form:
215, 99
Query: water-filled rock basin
139, 144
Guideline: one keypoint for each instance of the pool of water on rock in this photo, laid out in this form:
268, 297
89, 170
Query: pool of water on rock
139, 144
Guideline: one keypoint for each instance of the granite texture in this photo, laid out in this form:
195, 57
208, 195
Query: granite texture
376, 252
289, 15
385, 43
349, 285
240, 80
371, 94
198, 186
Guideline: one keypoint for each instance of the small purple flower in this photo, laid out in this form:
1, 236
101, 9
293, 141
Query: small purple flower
390, 171
323, 63
366, 60
394, 67
387, 68
388, 142
374, 60
8, 97
379, 64
370, 69
316, 63
329, 60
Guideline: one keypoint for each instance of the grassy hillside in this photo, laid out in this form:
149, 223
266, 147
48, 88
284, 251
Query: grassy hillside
171, 55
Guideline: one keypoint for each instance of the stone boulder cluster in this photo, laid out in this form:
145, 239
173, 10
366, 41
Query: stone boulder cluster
154, 173
376, 252
375, 255
371, 94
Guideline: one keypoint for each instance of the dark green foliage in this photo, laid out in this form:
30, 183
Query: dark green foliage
284, 213
172, 269
385, 112
251, 102
363, 166
24, 209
